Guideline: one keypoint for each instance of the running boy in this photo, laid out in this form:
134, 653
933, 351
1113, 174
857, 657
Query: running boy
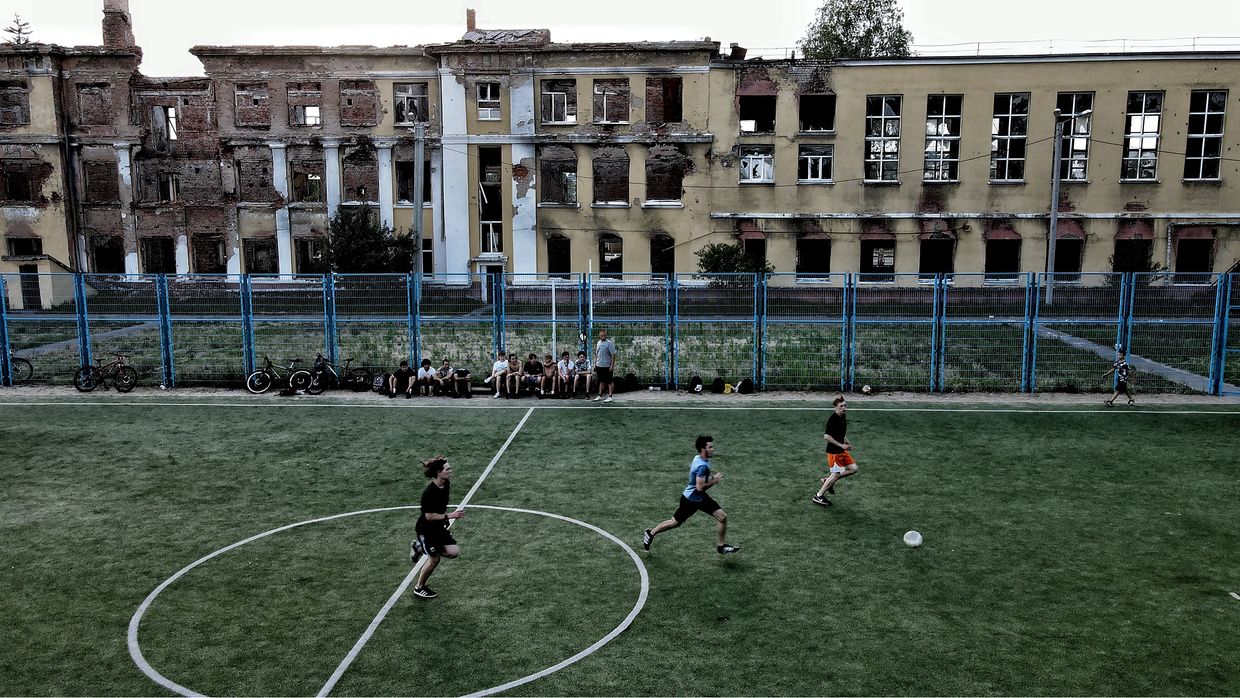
695, 499
433, 538
839, 459
1120, 368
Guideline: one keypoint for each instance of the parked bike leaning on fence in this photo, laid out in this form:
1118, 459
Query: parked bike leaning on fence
260, 381
124, 378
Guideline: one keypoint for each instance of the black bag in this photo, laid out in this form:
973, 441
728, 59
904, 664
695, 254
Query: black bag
716, 386
695, 384
379, 384
745, 387
629, 383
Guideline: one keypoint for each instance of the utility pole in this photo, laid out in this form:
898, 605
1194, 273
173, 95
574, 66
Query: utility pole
1054, 226
419, 165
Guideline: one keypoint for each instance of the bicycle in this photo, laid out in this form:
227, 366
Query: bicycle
325, 375
260, 381
21, 369
124, 377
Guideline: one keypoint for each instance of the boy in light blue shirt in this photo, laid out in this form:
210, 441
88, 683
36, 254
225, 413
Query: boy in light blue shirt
695, 499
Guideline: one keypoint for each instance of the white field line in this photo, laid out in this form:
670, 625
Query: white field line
404, 585
1234, 595
685, 408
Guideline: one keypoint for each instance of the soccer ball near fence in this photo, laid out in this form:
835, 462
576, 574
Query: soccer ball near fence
866, 390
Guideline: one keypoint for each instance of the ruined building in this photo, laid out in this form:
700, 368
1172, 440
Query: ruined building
621, 158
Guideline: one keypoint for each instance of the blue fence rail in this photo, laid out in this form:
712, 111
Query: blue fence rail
836, 332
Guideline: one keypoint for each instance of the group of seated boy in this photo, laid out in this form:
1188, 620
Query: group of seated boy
445, 380
546, 378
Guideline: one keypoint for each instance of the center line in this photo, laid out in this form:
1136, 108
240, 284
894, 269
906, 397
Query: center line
409, 578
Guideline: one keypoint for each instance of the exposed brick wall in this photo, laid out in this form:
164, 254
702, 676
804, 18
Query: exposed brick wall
252, 104
254, 180
94, 101
102, 181
14, 103
359, 103
360, 174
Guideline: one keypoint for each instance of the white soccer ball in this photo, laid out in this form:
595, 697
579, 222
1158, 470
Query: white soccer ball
866, 390
912, 539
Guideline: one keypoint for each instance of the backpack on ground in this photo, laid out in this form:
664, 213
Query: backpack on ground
716, 386
745, 387
379, 384
629, 383
695, 384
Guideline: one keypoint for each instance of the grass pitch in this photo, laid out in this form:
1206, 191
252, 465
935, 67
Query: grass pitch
1068, 552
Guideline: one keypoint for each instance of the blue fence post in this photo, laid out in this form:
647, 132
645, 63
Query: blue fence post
850, 326
674, 345
164, 311
248, 349
501, 309
1033, 330
581, 310
759, 320
412, 317
416, 342
941, 321
934, 336
1218, 339
1026, 348
330, 341
668, 380
844, 331
765, 310
83, 320
6, 368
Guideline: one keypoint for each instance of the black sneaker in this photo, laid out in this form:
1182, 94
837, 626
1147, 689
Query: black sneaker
415, 551
725, 549
424, 592
821, 501
647, 536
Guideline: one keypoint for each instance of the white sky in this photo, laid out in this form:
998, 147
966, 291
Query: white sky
167, 28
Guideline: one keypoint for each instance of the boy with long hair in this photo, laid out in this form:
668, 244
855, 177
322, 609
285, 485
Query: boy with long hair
433, 538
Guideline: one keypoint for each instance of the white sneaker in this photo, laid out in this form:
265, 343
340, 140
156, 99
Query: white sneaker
495, 396
608, 399
598, 397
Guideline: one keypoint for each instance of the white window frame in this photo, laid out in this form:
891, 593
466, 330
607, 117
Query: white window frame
559, 104
489, 108
1205, 136
600, 89
407, 93
170, 117
888, 150
169, 182
942, 153
1142, 133
307, 115
1077, 132
757, 166
814, 162
1012, 134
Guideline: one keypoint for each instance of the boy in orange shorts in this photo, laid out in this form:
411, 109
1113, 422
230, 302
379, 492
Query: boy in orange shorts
839, 459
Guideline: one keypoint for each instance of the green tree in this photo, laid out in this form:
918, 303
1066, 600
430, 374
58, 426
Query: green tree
857, 29
721, 258
358, 242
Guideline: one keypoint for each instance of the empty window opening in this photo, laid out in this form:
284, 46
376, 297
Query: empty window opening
490, 199
18, 183
814, 163
305, 100
306, 115
664, 101
937, 257
1009, 129
1141, 135
559, 101
755, 251
557, 175
24, 246
1194, 260
210, 254
665, 173
611, 176
158, 255
882, 138
107, 254
405, 184
311, 255
610, 256
878, 259
559, 256
488, 101
1074, 158
308, 182
260, 255
169, 187
1133, 256
1204, 147
757, 113
412, 102
611, 101
1068, 259
1002, 260
663, 255
813, 256
14, 103
817, 112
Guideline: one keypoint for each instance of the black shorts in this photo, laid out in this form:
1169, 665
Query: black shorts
603, 375
688, 507
1121, 386
434, 539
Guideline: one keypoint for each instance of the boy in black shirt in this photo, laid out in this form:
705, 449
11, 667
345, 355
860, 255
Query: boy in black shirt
839, 460
433, 539
402, 380
1120, 368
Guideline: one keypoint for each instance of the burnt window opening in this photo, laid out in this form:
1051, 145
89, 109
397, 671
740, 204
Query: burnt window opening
559, 101
1133, 255
813, 257
252, 104
311, 255
1194, 260
611, 176
18, 185
490, 199
663, 255
102, 182
94, 104
665, 173
1204, 147
24, 246
755, 251
559, 256
169, 190
610, 256
611, 101
815, 163
308, 182
1002, 260
405, 183
412, 102
107, 254
664, 100
878, 260
817, 112
210, 254
757, 113
1068, 259
557, 177
170, 119
14, 103
260, 255
937, 257
488, 102
158, 255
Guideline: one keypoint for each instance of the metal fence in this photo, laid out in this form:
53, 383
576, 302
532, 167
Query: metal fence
837, 332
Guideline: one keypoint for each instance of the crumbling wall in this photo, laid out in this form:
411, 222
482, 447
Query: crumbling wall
359, 103
102, 184
360, 173
252, 104
14, 103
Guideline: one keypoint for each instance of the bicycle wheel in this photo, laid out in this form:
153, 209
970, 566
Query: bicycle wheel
299, 380
86, 379
126, 379
22, 370
359, 380
318, 383
258, 382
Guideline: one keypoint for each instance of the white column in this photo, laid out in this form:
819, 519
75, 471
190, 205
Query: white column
331, 174
182, 253
124, 169
279, 180
437, 231
456, 183
387, 197
524, 194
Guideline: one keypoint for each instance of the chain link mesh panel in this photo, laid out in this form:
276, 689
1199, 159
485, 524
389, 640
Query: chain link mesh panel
1076, 335
716, 317
803, 335
984, 334
893, 333
542, 315
1171, 325
44, 332
123, 316
372, 320
458, 321
1231, 347
635, 311
207, 343
289, 320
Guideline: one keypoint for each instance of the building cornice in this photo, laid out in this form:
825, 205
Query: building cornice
912, 215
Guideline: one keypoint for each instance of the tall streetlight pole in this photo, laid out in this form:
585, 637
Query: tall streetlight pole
419, 156
1060, 122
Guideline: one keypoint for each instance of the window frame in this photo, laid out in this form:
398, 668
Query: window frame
877, 134
765, 157
806, 163
549, 90
1009, 117
402, 100
622, 96
1132, 166
1205, 136
1078, 131
494, 109
943, 164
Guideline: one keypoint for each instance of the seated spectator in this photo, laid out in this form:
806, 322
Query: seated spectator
512, 380
444, 384
548, 383
531, 374
581, 373
499, 372
564, 375
461, 383
426, 379
401, 381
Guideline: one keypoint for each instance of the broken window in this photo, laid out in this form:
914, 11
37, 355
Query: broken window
1194, 260
490, 199
158, 255
559, 101
359, 103
1009, 129
1002, 259
663, 255
611, 101
18, 184
1141, 136
308, 181
557, 177
813, 256
305, 100
1074, 158
611, 175
24, 246
252, 104
937, 257
755, 251
814, 163
210, 256
405, 183
170, 120
882, 138
101, 181
664, 103
412, 101
14, 103
94, 104
107, 254
665, 173
559, 256
757, 164
311, 255
1068, 259
428, 255
757, 113
610, 256
260, 255
943, 117
878, 259
254, 180
1132, 255
488, 101
305, 115
817, 112
169, 187
1204, 150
